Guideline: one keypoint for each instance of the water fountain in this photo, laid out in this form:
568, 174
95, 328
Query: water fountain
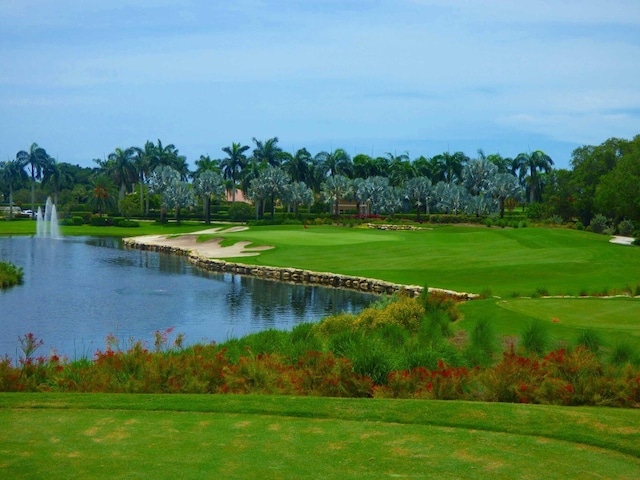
47, 221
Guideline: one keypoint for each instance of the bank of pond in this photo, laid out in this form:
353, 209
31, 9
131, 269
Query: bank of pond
400, 347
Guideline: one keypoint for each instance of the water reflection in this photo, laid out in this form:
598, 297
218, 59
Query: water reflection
79, 290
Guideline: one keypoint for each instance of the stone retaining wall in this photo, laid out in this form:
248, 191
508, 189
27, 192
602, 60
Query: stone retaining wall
293, 275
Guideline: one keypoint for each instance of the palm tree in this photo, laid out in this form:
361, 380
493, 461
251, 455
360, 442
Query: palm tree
267, 152
478, 174
177, 194
36, 158
161, 178
423, 167
334, 188
298, 166
335, 163
505, 186
533, 163
207, 184
57, 175
234, 163
102, 198
271, 182
298, 193
400, 169
144, 160
168, 155
205, 164
120, 167
449, 167
419, 191
12, 175
363, 166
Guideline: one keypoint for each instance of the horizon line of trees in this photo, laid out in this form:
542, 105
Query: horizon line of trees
601, 180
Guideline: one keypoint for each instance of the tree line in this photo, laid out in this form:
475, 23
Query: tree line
603, 180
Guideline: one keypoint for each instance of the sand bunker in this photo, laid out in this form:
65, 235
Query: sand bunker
620, 240
210, 248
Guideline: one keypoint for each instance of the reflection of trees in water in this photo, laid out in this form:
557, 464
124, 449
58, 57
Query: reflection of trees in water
236, 294
270, 298
106, 242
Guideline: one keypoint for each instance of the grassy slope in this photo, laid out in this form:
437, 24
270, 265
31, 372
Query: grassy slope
191, 436
614, 319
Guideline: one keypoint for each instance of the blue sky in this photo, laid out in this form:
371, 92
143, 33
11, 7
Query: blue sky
369, 76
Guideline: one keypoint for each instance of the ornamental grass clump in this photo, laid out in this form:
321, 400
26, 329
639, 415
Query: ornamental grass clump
535, 337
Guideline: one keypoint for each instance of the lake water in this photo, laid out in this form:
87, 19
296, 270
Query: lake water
78, 290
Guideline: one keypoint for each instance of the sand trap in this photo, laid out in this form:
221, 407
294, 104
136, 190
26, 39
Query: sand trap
620, 240
211, 248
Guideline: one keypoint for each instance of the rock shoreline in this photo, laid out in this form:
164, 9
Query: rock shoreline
292, 275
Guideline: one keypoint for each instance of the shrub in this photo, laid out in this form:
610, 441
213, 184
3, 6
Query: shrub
439, 301
537, 211
483, 344
128, 224
579, 225
622, 353
598, 223
589, 339
10, 275
100, 221
556, 220
240, 212
535, 337
626, 228
540, 292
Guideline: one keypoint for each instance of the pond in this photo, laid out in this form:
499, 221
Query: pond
78, 290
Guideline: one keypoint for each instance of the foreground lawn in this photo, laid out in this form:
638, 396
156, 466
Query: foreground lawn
205, 436
463, 258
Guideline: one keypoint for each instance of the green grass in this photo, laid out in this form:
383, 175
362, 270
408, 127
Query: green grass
205, 436
187, 436
28, 227
614, 319
456, 257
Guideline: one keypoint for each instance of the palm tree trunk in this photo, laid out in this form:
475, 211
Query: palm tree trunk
207, 208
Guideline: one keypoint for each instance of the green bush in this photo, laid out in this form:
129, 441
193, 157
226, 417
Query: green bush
589, 339
240, 212
622, 353
537, 211
101, 222
626, 228
535, 337
128, 223
483, 344
10, 275
599, 223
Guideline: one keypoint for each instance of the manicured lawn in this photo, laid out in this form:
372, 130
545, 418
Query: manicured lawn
614, 319
205, 436
28, 227
460, 258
